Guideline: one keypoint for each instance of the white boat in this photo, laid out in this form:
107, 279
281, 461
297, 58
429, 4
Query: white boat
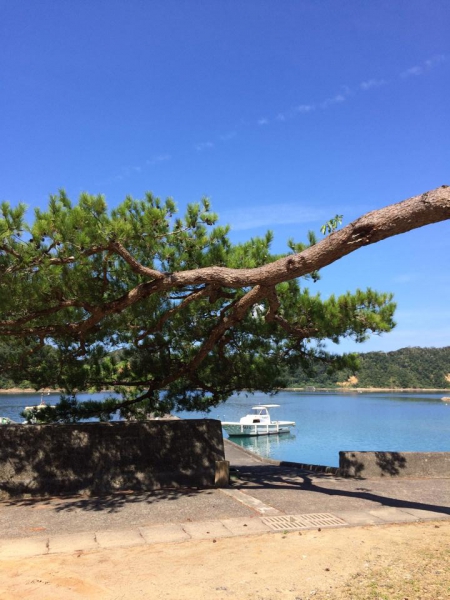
258, 422
31, 413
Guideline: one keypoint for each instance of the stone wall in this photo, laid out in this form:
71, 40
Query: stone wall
104, 457
394, 464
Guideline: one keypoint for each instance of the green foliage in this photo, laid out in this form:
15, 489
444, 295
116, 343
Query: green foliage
331, 225
405, 368
84, 307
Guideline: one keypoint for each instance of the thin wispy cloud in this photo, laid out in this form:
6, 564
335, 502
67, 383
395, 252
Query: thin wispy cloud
372, 83
405, 278
337, 99
266, 218
127, 172
130, 170
435, 60
419, 276
269, 215
424, 67
413, 71
158, 159
228, 136
201, 146
304, 108
295, 111
345, 92
334, 100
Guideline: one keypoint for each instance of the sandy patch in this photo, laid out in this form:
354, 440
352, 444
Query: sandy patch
387, 563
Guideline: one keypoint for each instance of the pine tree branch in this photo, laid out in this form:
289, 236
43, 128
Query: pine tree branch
427, 208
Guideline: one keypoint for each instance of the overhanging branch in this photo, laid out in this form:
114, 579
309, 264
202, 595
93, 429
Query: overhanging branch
427, 208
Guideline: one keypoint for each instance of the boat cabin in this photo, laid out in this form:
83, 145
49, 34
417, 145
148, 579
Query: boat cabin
259, 414
257, 422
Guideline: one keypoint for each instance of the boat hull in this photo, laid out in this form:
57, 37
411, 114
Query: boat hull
253, 429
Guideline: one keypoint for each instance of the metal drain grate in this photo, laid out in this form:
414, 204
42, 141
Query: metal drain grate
288, 522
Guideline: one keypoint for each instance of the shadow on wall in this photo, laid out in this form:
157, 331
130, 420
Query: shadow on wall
361, 464
394, 464
349, 465
99, 458
390, 463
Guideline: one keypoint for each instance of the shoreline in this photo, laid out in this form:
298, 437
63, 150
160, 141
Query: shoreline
19, 391
16, 390
361, 389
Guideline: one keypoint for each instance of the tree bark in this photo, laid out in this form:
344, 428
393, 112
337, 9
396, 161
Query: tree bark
430, 207
425, 209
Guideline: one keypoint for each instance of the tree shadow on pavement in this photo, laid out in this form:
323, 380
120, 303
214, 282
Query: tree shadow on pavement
112, 503
268, 477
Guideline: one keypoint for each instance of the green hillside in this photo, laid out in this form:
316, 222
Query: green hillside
405, 368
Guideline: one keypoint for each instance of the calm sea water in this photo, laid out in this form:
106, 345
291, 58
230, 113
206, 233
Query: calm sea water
329, 422
325, 422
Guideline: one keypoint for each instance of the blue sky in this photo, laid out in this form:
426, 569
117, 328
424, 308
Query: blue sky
283, 113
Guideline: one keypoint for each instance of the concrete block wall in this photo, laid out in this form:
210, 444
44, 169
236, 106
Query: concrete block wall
105, 457
394, 464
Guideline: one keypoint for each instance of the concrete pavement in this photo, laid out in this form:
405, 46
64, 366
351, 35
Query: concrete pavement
263, 498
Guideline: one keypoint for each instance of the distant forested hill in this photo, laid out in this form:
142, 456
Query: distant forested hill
405, 368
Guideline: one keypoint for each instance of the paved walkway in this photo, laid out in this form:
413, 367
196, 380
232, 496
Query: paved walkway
262, 498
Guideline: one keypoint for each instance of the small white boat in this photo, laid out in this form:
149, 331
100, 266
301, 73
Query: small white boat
31, 413
258, 422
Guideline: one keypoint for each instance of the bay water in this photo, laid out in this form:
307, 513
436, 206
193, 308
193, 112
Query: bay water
326, 422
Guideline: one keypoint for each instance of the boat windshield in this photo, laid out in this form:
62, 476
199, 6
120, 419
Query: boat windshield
259, 411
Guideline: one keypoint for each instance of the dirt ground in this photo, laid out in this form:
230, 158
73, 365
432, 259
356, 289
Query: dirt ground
392, 562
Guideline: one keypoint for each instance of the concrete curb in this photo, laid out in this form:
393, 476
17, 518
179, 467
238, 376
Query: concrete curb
201, 530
